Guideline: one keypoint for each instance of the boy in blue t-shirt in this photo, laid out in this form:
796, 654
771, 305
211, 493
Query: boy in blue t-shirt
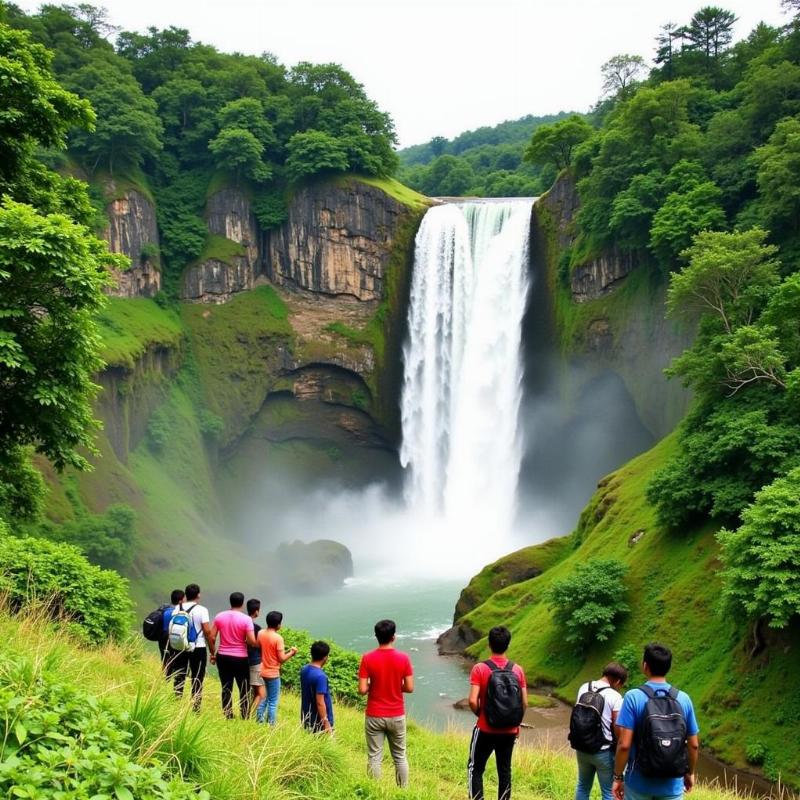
316, 708
656, 664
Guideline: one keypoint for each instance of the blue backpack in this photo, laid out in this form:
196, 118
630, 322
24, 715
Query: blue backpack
181, 631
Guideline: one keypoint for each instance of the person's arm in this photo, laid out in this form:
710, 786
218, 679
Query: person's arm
322, 710
624, 741
693, 748
285, 655
211, 641
524, 696
408, 684
363, 685
474, 699
251, 639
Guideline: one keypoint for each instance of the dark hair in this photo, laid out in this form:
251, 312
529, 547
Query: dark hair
237, 599
384, 631
616, 671
274, 618
499, 639
253, 606
319, 650
177, 596
658, 658
192, 591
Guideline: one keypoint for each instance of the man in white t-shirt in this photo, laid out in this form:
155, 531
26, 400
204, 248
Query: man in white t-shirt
194, 661
601, 763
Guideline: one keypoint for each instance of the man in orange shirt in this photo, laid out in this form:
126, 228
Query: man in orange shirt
273, 656
486, 738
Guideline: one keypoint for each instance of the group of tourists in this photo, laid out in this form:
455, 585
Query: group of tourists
642, 746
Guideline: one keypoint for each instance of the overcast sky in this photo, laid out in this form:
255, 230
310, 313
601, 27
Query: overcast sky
440, 67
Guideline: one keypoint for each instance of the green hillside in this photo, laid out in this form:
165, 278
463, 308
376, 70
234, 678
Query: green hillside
673, 589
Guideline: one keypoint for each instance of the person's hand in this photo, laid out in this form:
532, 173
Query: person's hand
213, 659
689, 781
293, 651
618, 790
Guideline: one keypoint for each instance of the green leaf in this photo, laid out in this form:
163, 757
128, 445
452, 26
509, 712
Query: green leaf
21, 732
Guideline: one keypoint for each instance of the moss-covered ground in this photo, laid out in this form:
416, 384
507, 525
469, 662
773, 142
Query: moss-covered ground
237, 348
129, 327
674, 593
239, 760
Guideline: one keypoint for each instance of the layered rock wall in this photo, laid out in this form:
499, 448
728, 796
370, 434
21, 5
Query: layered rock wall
229, 214
634, 339
337, 240
131, 229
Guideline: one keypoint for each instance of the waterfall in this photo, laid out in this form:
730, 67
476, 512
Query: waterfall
463, 368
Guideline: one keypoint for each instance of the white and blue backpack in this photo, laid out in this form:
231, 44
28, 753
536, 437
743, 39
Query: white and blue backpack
182, 633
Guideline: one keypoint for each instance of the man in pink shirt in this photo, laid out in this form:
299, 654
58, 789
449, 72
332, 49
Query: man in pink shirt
384, 675
235, 630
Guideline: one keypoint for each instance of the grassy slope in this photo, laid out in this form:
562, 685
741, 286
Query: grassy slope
129, 327
242, 761
674, 594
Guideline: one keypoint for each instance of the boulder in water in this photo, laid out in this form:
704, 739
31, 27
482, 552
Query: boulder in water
312, 567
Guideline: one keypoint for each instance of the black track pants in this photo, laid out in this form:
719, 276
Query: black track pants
481, 747
234, 668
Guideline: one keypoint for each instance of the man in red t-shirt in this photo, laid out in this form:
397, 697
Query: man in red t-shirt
486, 739
384, 675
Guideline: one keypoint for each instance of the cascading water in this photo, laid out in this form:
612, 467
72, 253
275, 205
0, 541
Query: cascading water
463, 367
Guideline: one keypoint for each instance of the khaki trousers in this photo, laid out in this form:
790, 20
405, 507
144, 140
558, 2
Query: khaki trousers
394, 729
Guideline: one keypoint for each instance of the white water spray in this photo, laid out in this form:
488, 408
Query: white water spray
463, 370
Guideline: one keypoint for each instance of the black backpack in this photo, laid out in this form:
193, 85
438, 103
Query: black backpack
503, 707
586, 722
661, 750
153, 624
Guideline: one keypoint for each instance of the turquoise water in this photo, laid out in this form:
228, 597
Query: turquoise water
422, 610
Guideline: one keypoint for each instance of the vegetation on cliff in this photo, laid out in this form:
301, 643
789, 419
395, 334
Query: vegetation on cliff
183, 114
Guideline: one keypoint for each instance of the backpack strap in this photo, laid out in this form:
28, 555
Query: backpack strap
509, 667
673, 692
647, 690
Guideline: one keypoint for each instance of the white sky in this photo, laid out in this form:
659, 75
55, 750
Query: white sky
440, 67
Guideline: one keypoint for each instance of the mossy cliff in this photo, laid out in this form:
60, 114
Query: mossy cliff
198, 398
609, 309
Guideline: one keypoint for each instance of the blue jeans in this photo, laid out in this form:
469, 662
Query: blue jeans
591, 764
630, 794
270, 703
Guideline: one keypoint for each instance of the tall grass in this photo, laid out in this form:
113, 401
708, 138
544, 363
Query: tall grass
240, 760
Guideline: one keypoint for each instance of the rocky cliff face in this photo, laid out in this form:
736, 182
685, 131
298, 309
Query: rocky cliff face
600, 275
213, 280
633, 338
337, 240
129, 396
131, 229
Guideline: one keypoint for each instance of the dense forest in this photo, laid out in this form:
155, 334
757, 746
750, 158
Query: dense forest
175, 117
486, 162
693, 170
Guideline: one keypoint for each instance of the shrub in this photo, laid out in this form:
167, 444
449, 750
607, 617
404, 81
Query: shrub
630, 656
755, 753
56, 741
106, 539
211, 425
589, 602
341, 669
94, 601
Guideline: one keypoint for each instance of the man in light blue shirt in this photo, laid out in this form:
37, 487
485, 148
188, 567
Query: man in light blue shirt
637, 786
